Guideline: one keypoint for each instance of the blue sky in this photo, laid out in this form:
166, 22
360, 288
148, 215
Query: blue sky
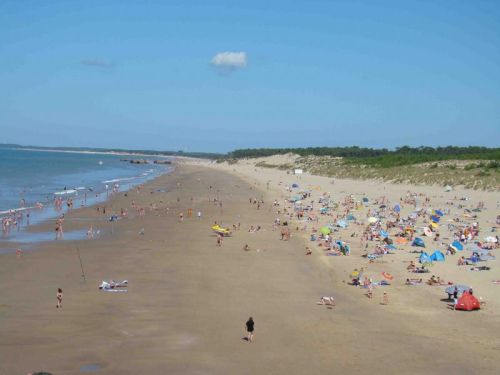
144, 74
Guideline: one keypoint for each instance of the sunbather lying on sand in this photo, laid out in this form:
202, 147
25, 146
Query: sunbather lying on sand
413, 281
481, 268
327, 301
113, 284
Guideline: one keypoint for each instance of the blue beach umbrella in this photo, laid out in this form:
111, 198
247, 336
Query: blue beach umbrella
457, 246
397, 208
439, 212
435, 218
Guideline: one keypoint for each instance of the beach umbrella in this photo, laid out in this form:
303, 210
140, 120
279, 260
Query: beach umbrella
439, 212
460, 288
384, 234
372, 220
427, 232
365, 200
295, 185
387, 276
435, 218
457, 246
350, 217
397, 208
325, 230
435, 225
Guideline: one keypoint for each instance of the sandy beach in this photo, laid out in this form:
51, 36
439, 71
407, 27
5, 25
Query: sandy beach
188, 299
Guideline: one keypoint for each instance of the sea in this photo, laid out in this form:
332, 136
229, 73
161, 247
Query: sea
30, 179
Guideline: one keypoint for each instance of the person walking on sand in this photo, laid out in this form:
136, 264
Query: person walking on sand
59, 297
250, 327
385, 299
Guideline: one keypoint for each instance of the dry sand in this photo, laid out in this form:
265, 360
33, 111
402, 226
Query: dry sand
188, 299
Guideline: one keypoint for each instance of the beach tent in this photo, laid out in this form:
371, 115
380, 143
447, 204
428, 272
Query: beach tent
295, 185
424, 258
372, 220
437, 256
342, 223
397, 208
365, 200
418, 242
467, 302
448, 188
350, 217
457, 246
439, 212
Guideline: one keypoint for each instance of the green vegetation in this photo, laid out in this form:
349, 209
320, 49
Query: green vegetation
382, 158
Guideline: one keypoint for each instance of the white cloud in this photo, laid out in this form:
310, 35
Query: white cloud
227, 62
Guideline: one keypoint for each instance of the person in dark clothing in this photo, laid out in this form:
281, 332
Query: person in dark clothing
250, 328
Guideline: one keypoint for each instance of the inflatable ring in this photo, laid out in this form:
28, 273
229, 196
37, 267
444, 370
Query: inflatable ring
387, 275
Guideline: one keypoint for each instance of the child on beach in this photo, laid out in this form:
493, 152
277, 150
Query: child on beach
59, 297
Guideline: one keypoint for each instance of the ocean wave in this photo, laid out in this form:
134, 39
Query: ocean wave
118, 180
18, 209
66, 192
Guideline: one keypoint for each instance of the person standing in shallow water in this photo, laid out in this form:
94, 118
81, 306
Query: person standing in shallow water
250, 327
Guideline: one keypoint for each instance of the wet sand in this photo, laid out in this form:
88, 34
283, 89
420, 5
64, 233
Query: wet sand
188, 299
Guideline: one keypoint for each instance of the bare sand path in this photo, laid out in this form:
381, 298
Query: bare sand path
188, 300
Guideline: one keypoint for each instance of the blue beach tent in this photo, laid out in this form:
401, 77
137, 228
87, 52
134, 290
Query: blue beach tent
439, 212
435, 218
457, 246
418, 242
424, 258
437, 256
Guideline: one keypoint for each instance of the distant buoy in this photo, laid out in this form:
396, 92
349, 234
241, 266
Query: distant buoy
100, 162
